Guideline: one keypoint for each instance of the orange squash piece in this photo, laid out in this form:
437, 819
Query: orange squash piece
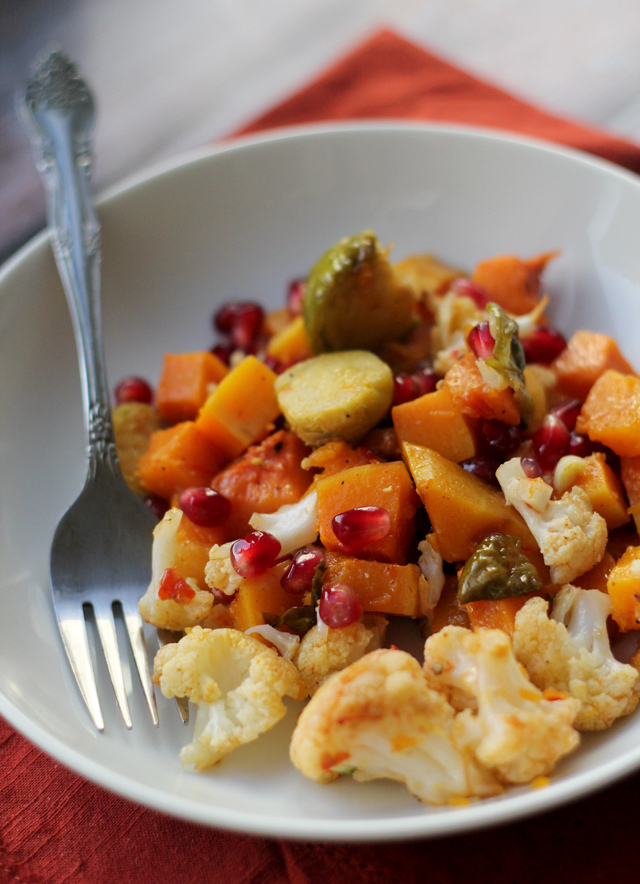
597, 577
386, 485
266, 477
184, 384
334, 457
463, 509
434, 421
178, 458
623, 586
382, 587
260, 595
512, 282
471, 396
587, 356
242, 408
605, 490
611, 413
448, 612
496, 613
193, 543
291, 343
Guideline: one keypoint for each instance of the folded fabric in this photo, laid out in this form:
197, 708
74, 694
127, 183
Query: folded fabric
56, 827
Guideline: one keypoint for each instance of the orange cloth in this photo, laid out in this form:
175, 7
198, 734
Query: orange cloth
57, 828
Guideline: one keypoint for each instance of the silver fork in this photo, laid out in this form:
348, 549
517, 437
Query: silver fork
101, 550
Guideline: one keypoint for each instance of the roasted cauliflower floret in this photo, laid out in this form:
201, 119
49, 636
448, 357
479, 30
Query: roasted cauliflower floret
378, 718
219, 573
569, 650
572, 538
324, 650
237, 683
176, 610
505, 720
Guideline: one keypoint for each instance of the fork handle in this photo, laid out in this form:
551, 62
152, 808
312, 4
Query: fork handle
59, 116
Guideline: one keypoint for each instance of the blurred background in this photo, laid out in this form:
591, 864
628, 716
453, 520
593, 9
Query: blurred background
170, 75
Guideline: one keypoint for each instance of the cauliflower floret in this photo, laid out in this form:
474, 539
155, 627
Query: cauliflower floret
572, 538
432, 582
324, 650
294, 524
570, 651
219, 573
508, 723
171, 613
237, 683
378, 718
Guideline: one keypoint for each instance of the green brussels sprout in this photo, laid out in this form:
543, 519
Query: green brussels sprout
508, 358
353, 300
497, 570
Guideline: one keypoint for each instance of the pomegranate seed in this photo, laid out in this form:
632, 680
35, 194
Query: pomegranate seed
551, 442
425, 380
221, 597
361, 526
297, 579
405, 388
498, 439
274, 364
295, 294
531, 468
465, 288
482, 467
223, 352
543, 345
247, 326
580, 445
225, 318
157, 505
339, 605
481, 341
133, 390
254, 553
204, 506
568, 412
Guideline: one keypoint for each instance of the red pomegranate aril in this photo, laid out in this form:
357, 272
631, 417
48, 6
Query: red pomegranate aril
579, 445
247, 326
298, 577
225, 318
254, 553
405, 389
568, 412
221, 597
498, 439
295, 294
358, 527
481, 341
274, 364
482, 467
204, 506
339, 606
551, 442
224, 352
157, 505
543, 345
133, 390
531, 468
425, 381
465, 288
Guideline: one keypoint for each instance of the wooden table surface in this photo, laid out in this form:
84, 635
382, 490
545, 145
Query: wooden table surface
172, 75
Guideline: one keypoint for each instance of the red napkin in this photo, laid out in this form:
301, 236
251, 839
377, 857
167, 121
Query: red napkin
56, 827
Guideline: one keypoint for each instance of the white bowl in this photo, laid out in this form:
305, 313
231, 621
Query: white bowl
239, 222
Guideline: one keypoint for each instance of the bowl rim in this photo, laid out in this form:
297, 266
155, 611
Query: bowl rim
451, 821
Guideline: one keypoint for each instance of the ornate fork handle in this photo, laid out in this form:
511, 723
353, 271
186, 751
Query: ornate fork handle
58, 112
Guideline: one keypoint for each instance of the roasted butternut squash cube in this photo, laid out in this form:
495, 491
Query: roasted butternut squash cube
623, 586
193, 543
178, 458
260, 595
291, 343
611, 413
241, 409
433, 420
463, 509
512, 282
605, 490
386, 485
496, 613
587, 356
596, 577
185, 384
380, 587
471, 396
448, 612
630, 475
